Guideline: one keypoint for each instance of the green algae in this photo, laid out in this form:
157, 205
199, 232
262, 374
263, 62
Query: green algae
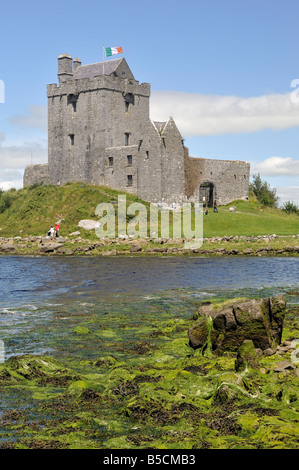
144, 387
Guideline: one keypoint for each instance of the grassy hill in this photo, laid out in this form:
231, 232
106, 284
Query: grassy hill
32, 210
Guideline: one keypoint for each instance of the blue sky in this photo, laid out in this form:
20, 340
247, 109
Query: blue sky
222, 69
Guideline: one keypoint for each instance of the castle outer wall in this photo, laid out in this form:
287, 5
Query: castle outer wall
207, 180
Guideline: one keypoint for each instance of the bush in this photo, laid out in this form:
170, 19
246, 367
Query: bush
290, 208
5, 201
263, 192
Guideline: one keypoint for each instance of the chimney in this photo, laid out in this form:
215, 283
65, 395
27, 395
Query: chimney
76, 64
65, 67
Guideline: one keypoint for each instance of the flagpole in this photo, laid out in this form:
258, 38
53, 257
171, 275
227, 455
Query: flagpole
103, 59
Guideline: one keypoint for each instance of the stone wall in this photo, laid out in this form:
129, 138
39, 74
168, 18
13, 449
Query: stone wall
227, 180
36, 174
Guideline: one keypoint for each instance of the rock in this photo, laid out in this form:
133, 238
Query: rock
234, 322
269, 352
50, 247
246, 356
284, 367
248, 251
232, 209
7, 248
109, 253
74, 234
89, 224
42, 369
135, 247
199, 334
82, 330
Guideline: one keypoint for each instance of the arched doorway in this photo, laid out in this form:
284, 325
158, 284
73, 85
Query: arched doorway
206, 194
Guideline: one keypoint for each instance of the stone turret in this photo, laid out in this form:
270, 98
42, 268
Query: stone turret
76, 64
65, 67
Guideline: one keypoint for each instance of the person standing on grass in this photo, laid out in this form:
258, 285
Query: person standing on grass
51, 233
57, 228
215, 206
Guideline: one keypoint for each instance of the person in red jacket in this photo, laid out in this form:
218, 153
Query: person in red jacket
57, 228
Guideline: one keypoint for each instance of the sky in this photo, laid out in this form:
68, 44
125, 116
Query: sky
227, 71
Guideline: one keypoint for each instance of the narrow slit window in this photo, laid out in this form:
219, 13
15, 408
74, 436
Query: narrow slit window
72, 139
110, 161
129, 160
129, 180
127, 138
147, 155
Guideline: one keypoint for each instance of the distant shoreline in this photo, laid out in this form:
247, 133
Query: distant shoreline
266, 245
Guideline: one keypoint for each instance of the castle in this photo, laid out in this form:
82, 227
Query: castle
100, 132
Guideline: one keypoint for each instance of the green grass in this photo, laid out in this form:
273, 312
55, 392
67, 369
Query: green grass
250, 219
34, 209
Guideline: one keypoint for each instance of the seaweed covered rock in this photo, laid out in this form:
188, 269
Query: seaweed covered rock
246, 356
236, 321
41, 369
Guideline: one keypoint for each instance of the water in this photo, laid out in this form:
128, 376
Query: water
42, 299
36, 280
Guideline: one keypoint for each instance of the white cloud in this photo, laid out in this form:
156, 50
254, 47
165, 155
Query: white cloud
37, 117
277, 166
11, 179
197, 114
15, 157
288, 193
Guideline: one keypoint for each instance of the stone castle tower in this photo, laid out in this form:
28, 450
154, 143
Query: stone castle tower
100, 132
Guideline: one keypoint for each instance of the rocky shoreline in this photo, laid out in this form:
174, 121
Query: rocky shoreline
263, 245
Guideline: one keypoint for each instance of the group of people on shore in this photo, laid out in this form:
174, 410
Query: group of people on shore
215, 208
54, 231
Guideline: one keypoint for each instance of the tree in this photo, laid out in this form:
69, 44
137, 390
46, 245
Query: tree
290, 208
263, 192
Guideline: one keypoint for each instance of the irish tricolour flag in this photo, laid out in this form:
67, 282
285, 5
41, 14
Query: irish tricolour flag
113, 50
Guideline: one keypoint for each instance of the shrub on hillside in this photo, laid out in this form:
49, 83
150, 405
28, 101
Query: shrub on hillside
5, 201
263, 192
290, 208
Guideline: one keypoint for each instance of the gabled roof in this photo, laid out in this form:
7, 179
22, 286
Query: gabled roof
107, 67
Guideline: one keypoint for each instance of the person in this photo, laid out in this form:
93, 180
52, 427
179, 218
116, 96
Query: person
51, 232
57, 228
207, 210
215, 206
58, 183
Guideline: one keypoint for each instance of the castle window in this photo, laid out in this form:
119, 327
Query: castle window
129, 99
163, 140
110, 161
235, 176
244, 177
129, 180
127, 138
147, 154
72, 100
129, 160
139, 145
72, 139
